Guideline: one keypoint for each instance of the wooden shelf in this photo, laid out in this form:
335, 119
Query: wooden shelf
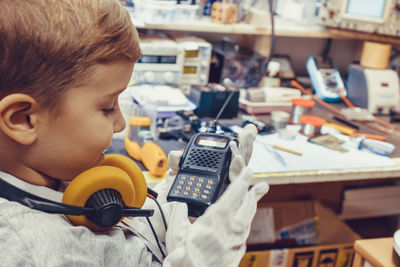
283, 28
206, 26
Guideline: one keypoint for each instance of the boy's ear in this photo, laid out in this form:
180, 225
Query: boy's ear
19, 118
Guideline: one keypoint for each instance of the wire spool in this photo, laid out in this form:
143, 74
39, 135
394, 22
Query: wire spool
300, 107
311, 125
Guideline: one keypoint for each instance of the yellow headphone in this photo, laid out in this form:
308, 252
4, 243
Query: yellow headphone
98, 198
116, 172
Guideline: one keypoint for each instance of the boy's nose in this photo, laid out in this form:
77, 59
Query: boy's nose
119, 123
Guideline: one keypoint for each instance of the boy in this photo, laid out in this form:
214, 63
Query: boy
63, 64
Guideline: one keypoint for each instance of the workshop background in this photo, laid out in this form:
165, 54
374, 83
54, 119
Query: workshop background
319, 79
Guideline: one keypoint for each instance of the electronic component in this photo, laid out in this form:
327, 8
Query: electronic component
161, 62
209, 100
373, 16
196, 60
325, 78
235, 65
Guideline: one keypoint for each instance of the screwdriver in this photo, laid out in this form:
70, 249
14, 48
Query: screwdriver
375, 146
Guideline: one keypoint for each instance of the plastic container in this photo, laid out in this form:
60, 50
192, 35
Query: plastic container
155, 12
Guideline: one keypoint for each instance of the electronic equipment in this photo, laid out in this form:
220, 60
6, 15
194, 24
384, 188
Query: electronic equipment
234, 65
97, 198
196, 60
203, 169
325, 78
376, 90
373, 16
209, 100
161, 62
140, 146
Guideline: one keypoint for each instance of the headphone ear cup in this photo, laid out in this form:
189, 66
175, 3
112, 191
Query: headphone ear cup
135, 173
95, 179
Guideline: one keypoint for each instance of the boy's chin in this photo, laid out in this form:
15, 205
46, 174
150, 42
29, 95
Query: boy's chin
101, 158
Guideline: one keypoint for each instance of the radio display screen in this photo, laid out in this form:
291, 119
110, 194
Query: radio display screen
189, 70
191, 53
155, 59
212, 141
367, 8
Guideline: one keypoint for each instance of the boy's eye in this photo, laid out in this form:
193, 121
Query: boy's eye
108, 111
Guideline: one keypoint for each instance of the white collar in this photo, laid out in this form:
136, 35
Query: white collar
37, 190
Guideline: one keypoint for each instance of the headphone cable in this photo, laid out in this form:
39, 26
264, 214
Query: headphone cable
155, 236
161, 211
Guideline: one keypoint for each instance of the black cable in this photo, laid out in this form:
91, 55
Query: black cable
162, 214
155, 236
395, 53
272, 43
327, 49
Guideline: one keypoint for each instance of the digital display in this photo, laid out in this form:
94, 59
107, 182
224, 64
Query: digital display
189, 70
148, 59
191, 53
155, 59
367, 8
167, 59
212, 141
323, 63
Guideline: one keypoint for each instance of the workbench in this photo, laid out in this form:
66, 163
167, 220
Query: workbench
326, 186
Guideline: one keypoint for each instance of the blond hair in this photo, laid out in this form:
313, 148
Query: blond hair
48, 45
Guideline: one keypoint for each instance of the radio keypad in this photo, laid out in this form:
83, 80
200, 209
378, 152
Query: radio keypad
197, 187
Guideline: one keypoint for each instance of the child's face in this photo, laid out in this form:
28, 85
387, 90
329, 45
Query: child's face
74, 140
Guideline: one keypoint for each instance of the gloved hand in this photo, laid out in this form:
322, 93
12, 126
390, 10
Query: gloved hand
246, 139
218, 237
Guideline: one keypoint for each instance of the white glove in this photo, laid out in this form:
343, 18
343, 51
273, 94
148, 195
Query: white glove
246, 139
218, 237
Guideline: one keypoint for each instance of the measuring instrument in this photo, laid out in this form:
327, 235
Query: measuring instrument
203, 169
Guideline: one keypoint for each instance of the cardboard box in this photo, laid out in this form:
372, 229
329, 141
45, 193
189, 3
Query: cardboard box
335, 239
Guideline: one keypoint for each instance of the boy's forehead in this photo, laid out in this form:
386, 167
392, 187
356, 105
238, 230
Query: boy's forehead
110, 78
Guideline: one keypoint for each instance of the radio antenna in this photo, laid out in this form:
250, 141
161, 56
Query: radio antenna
213, 127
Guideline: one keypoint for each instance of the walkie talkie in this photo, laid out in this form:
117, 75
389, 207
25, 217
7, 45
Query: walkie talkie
203, 168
